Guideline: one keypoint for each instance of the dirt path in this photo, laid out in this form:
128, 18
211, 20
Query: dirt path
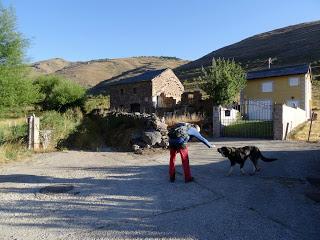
126, 196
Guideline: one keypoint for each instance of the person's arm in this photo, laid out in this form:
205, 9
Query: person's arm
194, 133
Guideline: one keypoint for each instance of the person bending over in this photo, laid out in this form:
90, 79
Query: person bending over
179, 136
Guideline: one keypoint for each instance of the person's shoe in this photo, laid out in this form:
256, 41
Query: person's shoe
172, 179
189, 180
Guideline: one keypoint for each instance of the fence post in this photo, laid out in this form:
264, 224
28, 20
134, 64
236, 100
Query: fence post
33, 132
310, 127
278, 133
216, 121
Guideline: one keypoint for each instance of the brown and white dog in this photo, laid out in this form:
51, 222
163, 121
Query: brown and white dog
240, 155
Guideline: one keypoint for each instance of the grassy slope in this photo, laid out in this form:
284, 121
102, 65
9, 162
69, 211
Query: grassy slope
91, 73
287, 46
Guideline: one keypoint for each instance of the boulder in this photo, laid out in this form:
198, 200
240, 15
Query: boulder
152, 137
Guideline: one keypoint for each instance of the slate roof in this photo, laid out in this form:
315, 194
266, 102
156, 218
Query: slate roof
144, 77
282, 71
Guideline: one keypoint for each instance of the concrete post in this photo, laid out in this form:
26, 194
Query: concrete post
34, 132
216, 121
278, 122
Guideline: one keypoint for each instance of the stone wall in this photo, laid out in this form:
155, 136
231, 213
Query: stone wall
167, 83
123, 95
284, 116
136, 131
163, 91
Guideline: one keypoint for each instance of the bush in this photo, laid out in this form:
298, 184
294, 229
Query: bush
99, 102
16, 91
13, 134
61, 124
58, 93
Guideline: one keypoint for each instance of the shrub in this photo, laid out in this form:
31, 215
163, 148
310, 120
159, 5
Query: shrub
61, 124
11, 134
58, 93
99, 102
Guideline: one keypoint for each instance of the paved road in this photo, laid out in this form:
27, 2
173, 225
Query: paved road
126, 196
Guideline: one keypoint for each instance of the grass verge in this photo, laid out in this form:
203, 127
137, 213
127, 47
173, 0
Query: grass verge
249, 129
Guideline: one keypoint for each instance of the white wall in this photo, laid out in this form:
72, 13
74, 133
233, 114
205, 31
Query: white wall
227, 120
293, 116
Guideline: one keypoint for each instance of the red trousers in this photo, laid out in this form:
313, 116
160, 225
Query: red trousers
185, 162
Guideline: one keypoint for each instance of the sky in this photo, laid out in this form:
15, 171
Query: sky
81, 30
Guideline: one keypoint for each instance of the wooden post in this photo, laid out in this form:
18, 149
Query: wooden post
312, 117
287, 128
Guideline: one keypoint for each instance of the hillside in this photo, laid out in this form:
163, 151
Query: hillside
286, 46
92, 72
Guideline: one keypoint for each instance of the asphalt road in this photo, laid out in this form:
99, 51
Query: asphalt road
126, 196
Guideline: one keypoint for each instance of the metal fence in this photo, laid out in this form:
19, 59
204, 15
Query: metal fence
251, 119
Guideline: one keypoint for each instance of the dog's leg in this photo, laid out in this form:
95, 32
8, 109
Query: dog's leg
241, 169
230, 171
255, 166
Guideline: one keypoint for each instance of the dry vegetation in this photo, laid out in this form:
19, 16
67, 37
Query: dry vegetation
190, 118
301, 132
91, 73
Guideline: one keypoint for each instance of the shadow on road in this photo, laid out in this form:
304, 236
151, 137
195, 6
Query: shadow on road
139, 200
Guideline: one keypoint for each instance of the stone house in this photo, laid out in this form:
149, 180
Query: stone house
290, 85
146, 92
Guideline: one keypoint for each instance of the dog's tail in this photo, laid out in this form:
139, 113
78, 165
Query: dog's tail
263, 158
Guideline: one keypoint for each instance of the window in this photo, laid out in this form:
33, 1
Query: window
267, 87
293, 81
121, 91
134, 90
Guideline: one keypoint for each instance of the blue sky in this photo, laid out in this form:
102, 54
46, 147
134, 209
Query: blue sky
79, 30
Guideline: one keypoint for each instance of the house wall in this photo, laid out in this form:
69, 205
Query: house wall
168, 84
142, 96
163, 91
282, 91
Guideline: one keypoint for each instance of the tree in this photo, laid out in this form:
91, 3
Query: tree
16, 89
12, 43
58, 93
223, 81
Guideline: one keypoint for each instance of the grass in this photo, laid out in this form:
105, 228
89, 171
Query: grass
254, 129
13, 134
13, 151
